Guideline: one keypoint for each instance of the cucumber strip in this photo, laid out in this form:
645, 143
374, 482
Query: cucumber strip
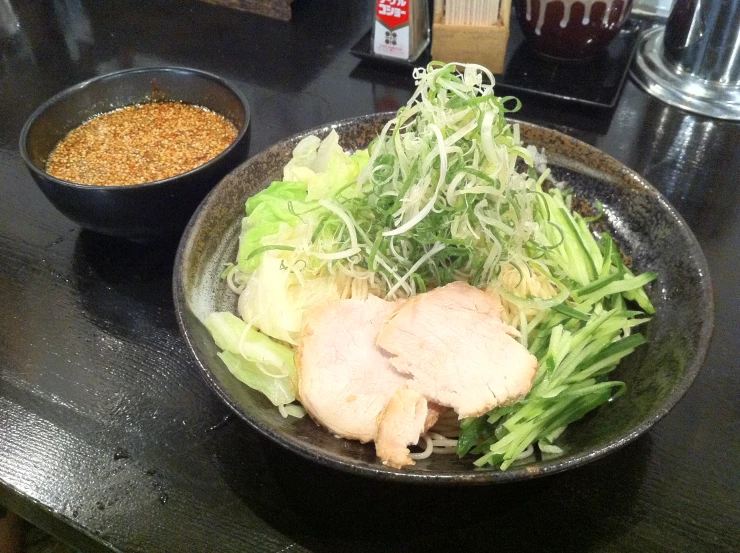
617, 287
570, 312
596, 285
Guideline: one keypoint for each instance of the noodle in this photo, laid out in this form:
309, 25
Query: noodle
442, 439
443, 444
428, 449
524, 284
435, 444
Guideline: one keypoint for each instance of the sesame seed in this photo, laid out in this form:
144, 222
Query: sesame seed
141, 143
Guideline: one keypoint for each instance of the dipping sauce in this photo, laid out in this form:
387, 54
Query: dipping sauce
141, 143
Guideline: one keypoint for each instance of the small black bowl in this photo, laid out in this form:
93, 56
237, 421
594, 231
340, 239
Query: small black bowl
136, 211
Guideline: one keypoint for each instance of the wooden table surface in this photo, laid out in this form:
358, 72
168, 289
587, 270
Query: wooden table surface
111, 440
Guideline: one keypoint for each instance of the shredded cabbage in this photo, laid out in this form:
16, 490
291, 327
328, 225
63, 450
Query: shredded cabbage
254, 358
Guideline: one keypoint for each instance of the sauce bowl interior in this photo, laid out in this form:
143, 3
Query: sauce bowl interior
136, 211
69, 109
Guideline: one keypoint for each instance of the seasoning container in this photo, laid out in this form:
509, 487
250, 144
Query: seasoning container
401, 28
149, 210
484, 44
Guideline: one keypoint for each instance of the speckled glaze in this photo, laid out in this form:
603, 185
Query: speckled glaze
645, 226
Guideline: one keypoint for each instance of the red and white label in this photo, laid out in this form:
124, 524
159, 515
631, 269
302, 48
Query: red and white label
393, 13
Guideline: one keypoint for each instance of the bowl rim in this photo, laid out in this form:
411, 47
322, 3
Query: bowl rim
481, 477
76, 88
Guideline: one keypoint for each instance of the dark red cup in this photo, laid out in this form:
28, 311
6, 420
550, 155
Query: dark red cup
569, 29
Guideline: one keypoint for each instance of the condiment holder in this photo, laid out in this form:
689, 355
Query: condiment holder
484, 44
401, 29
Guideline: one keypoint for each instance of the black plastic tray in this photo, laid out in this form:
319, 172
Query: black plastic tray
597, 82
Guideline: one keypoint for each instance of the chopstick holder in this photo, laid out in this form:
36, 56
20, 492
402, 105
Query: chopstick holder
464, 42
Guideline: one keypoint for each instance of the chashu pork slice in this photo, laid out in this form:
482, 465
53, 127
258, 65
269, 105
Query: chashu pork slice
404, 419
344, 380
459, 353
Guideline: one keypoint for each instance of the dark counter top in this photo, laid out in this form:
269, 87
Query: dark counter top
111, 440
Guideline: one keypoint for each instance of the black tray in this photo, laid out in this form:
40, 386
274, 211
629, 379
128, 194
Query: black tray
597, 82
364, 49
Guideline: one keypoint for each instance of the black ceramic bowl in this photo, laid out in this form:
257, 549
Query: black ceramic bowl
136, 211
642, 222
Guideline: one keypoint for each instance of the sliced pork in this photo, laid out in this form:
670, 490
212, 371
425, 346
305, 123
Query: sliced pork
400, 424
344, 380
452, 343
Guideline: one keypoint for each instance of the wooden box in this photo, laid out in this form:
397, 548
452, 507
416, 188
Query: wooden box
484, 45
